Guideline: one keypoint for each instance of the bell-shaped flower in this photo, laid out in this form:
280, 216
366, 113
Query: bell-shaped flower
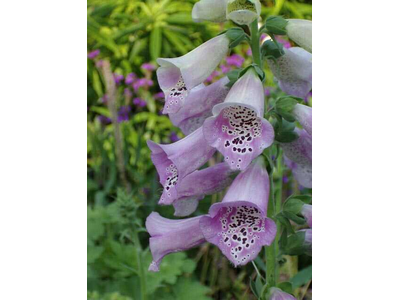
308, 236
198, 105
238, 225
237, 128
306, 211
169, 236
293, 70
175, 161
278, 294
303, 114
178, 76
298, 157
300, 32
198, 184
243, 12
210, 10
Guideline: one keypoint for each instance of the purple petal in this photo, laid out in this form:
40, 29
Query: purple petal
308, 236
306, 211
303, 114
185, 206
303, 174
177, 76
175, 161
278, 294
293, 71
299, 151
198, 106
168, 236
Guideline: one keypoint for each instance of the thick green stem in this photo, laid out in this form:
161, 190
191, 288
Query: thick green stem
278, 199
270, 253
255, 43
142, 272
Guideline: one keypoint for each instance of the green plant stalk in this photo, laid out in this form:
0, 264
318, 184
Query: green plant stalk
142, 272
278, 196
270, 254
255, 43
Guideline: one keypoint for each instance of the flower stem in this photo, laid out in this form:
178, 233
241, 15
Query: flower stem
270, 253
255, 43
142, 272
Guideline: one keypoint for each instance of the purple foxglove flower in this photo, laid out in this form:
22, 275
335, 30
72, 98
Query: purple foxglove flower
175, 161
278, 294
118, 78
177, 76
130, 78
235, 60
94, 54
300, 31
306, 211
238, 225
148, 67
298, 157
303, 114
243, 12
198, 105
169, 236
293, 71
195, 186
237, 128
210, 10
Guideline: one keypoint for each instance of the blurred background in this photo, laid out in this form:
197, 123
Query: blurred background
124, 39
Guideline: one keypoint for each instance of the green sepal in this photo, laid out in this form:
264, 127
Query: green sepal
293, 205
294, 217
258, 70
233, 76
236, 35
272, 50
284, 107
285, 222
286, 286
295, 244
286, 136
256, 286
276, 25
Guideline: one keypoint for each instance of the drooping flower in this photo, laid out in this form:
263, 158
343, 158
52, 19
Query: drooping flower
237, 128
306, 211
177, 76
298, 157
93, 54
177, 160
293, 70
300, 31
169, 236
210, 10
303, 114
243, 12
238, 225
198, 105
278, 294
195, 186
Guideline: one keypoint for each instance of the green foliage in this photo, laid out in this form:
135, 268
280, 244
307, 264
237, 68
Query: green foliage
276, 25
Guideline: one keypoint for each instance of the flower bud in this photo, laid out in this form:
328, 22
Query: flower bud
300, 31
243, 12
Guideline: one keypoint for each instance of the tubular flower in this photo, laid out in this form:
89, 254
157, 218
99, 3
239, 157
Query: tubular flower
293, 71
303, 114
298, 156
210, 10
243, 12
300, 31
238, 225
196, 185
178, 76
306, 211
278, 294
174, 161
168, 236
237, 128
198, 105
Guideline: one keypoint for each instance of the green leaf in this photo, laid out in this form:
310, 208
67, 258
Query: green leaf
285, 222
253, 288
270, 50
293, 205
175, 40
295, 244
155, 43
286, 287
294, 218
236, 35
285, 104
187, 288
302, 277
276, 25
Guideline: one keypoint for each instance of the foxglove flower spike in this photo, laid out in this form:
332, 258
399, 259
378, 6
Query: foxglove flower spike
303, 114
243, 12
278, 294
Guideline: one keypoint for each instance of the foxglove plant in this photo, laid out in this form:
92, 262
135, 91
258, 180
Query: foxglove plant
235, 117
